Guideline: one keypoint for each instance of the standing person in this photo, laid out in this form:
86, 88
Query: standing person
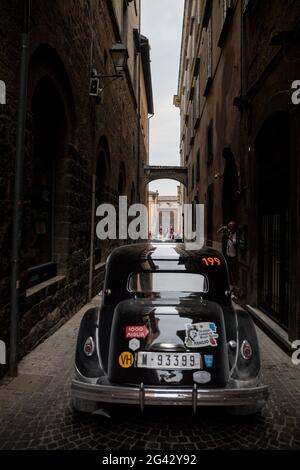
229, 232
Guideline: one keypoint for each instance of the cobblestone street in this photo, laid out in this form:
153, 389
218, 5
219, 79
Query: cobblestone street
36, 413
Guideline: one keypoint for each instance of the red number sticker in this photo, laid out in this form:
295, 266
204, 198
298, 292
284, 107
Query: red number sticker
211, 261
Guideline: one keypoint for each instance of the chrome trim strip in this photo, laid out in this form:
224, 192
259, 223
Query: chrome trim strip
168, 396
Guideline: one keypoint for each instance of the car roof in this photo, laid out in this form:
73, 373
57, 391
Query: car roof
170, 257
164, 251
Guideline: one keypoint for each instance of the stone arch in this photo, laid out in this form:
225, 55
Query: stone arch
46, 62
279, 103
177, 173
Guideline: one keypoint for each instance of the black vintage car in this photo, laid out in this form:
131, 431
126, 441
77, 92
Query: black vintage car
167, 333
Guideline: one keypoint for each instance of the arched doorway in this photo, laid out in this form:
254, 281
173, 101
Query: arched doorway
272, 149
49, 139
49, 127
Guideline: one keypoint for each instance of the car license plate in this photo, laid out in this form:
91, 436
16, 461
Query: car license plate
156, 360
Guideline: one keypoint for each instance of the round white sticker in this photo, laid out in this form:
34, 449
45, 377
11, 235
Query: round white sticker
202, 377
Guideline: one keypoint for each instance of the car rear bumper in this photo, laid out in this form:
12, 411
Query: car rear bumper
189, 396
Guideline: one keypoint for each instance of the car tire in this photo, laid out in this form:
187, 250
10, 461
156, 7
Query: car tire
77, 414
82, 407
250, 410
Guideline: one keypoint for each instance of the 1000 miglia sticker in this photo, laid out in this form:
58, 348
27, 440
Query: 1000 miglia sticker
199, 335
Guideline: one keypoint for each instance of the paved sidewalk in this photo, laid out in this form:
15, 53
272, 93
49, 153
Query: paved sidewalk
35, 409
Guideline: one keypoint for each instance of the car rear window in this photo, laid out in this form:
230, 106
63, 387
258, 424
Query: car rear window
167, 282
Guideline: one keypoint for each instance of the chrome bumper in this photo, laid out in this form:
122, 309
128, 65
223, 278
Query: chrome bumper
189, 396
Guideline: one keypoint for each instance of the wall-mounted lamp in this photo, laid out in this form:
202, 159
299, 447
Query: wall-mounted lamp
119, 55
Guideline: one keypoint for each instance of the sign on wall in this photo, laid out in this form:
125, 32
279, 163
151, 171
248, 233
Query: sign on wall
2, 92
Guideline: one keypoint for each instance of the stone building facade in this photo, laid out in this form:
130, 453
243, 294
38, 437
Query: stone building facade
80, 150
165, 215
240, 141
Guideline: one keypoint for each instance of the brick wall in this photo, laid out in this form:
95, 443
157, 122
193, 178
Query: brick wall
245, 65
60, 42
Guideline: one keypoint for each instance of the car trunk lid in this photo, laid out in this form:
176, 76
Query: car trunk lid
168, 341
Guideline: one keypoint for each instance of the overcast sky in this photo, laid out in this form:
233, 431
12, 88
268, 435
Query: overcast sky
162, 24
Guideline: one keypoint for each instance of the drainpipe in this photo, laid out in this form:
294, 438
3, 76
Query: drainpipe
243, 87
91, 268
18, 190
139, 109
150, 117
146, 187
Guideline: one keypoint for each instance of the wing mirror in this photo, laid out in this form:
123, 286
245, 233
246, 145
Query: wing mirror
106, 292
232, 294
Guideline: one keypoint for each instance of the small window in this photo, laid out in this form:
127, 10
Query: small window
198, 11
196, 104
227, 12
168, 282
226, 7
198, 167
210, 154
245, 5
209, 60
209, 50
125, 22
193, 176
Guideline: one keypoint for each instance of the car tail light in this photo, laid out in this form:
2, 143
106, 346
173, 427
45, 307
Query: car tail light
246, 350
89, 347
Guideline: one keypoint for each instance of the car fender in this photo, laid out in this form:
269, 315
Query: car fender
89, 367
246, 369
